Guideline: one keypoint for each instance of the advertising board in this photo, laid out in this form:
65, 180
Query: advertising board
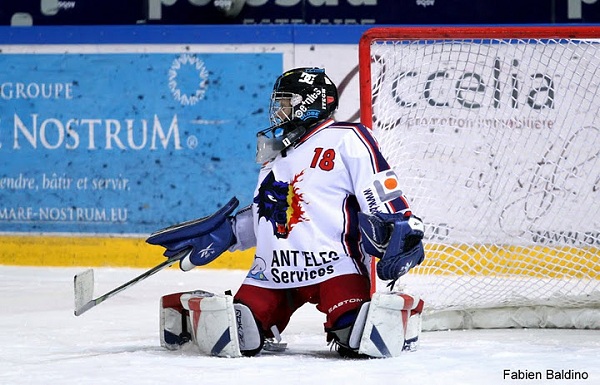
117, 138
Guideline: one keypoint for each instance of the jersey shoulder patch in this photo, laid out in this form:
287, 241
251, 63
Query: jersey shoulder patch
383, 188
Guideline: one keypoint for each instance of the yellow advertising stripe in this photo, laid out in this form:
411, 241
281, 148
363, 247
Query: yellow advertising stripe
21, 250
510, 260
482, 260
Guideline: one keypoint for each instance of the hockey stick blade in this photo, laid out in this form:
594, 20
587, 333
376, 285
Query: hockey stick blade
84, 285
84, 288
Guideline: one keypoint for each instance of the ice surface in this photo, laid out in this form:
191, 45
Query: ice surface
117, 342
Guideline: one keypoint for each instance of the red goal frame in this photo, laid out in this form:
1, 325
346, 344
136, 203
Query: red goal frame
449, 33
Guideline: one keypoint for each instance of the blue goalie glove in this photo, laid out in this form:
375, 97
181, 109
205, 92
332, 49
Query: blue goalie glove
395, 239
204, 239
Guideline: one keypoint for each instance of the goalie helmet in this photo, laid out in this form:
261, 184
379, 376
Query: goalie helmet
301, 97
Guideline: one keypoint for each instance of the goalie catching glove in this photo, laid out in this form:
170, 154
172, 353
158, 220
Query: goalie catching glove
204, 239
395, 239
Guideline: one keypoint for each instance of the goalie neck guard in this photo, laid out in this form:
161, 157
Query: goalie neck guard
301, 97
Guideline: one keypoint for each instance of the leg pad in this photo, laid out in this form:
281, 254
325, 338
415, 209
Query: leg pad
393, 325
213, 322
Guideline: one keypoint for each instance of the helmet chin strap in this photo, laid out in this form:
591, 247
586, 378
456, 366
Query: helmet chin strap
293, 136
268, 147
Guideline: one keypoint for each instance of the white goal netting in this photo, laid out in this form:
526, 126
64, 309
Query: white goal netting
495, 136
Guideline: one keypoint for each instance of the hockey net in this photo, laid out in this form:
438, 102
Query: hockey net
495, 136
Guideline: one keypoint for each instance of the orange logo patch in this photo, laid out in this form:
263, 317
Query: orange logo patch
390, 183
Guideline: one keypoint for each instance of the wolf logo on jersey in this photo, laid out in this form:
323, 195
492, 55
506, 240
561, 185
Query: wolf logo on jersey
280, 203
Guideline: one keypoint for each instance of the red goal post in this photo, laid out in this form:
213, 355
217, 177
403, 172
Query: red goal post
495, 135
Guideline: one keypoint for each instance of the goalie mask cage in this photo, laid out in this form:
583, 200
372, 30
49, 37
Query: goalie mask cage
494, 133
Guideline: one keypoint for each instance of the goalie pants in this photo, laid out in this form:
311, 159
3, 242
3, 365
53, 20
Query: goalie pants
334, 297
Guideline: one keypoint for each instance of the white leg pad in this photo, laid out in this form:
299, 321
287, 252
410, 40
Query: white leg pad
249, 336
171, 325
393, 325
175, 328
359, 326
213, 321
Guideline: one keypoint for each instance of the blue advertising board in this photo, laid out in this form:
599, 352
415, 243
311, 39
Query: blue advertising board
127, 142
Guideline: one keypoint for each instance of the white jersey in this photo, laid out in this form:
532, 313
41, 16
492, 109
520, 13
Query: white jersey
306, 202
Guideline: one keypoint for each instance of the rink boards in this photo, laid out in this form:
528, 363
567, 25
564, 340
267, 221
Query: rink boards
474, 260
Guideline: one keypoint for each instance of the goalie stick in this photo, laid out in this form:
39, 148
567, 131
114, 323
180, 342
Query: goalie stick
84, 284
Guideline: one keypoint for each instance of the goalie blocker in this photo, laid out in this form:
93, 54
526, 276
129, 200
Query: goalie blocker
384, 327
